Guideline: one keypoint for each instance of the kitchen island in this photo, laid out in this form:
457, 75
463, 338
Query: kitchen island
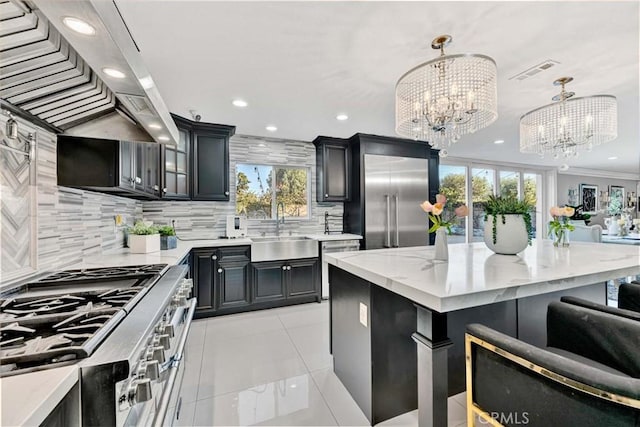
382, 301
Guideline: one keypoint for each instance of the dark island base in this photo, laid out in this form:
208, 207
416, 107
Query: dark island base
377, 359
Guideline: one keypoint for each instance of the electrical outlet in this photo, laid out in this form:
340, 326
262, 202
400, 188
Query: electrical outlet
363, 315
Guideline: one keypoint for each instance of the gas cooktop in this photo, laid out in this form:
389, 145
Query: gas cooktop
64, 316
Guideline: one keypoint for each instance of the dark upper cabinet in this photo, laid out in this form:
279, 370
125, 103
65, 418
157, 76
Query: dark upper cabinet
151, 177
210, 166
198, 167
109, 166
333, 161
126, 164
176, 164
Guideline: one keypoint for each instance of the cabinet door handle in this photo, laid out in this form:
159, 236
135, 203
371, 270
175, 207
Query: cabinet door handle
214, 257
219, 270
226, 193
284, 267
326, 195
164, 190
156, 188
289, 267
138, 180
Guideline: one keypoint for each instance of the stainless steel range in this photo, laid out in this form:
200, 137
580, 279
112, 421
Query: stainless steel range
125, 327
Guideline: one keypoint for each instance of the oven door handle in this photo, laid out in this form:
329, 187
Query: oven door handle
161, 413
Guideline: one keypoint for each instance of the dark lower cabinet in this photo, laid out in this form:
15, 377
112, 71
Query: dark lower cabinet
221, 280
233, 284
285, 282
225, 281
268, 281
203, 281
303, 277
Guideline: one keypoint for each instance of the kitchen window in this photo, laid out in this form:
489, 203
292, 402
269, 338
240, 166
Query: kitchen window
260, 188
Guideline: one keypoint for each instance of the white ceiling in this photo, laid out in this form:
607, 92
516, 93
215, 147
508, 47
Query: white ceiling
298, 64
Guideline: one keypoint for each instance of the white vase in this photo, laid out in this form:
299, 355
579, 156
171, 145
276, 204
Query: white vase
442, 248
511, 236
143, 244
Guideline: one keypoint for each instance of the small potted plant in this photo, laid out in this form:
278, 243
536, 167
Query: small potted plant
143, 238
168, 239
507, 224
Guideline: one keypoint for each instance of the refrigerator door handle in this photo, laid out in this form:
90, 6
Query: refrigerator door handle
397, 201
387, 237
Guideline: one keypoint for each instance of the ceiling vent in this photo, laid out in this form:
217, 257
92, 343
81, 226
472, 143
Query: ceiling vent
530, 72
137, 104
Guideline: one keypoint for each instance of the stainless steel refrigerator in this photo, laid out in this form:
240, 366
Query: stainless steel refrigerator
394, 188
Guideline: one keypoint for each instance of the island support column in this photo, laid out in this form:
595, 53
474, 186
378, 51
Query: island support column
433, 386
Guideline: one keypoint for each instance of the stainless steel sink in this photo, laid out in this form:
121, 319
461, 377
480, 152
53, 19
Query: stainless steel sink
281, 248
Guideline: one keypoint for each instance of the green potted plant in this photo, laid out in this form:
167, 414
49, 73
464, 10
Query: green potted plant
143, 238
507, 224
168, 239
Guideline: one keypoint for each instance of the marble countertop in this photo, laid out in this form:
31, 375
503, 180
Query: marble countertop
327, 237
28, 399
123, 256
476, 276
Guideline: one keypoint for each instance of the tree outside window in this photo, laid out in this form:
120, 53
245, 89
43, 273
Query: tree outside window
257, 195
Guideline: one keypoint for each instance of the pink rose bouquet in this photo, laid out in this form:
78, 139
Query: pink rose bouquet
435, 213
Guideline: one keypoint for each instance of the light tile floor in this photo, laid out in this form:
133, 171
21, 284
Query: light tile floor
272, 367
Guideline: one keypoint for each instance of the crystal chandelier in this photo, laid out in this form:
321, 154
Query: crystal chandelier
560, 128
447, 97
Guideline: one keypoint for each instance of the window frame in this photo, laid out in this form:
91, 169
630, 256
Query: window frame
545, 186
274, 206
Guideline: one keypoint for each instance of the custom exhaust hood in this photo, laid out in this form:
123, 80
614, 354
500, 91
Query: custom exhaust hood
66, 78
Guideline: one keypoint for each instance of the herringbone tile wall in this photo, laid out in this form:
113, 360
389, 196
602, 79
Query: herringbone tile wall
16, 218
71, 224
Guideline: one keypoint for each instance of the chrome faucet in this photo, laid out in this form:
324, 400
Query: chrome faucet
278, 218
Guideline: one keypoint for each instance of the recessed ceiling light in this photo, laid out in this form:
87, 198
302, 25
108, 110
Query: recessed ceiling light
155, 126
146, 82
499, 141
240, 103
271, 128
342, 117
112, 72
78, 25
163, 138
612, 158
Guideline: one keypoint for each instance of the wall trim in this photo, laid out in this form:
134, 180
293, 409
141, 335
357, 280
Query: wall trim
601, 174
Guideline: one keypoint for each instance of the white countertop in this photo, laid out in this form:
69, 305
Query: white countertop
476, 276
123, 256
28, 399
327, 237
